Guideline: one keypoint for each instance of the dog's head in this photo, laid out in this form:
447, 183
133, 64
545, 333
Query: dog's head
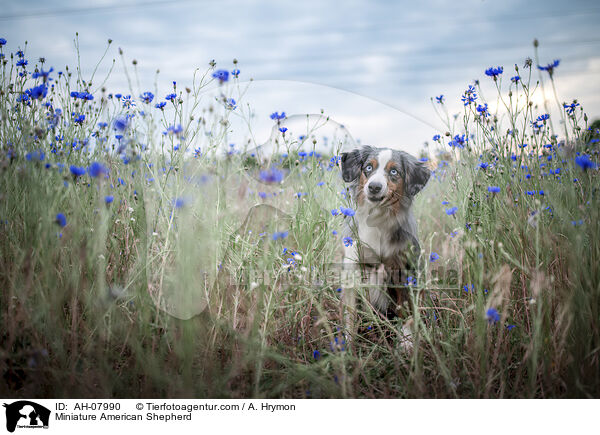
382, 176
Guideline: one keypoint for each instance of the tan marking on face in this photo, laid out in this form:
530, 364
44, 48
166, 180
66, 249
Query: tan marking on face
389, 166
395, 194
374, 163
360, 197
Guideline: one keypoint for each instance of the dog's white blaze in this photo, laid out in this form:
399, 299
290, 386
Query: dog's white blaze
379, 176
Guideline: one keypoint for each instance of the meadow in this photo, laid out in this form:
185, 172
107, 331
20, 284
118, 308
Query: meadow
143, 255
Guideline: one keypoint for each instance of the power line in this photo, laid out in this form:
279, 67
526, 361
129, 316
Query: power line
105, 8
347, 29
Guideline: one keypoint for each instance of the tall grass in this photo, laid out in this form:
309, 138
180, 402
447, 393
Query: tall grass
212, 271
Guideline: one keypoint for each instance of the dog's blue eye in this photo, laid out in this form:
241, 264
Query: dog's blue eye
394, 172
369, 168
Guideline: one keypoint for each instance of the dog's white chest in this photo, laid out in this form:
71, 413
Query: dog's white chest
375, 240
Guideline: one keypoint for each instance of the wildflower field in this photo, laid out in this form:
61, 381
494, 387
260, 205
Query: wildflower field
144, 255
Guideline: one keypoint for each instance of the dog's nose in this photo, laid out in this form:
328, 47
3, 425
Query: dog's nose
375, 188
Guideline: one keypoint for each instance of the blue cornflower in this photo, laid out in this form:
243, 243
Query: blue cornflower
494, 72
543, 117
2, 41
108, 199
231, 104
483, 110
347, 241
97, 169
335, 212
570, 108
493, 189
316, 354
171, 97
280, 235
22, 62
411, 280
43, 74
509, 327
492, 315
222, 75
82, 95
458, 141
436, 137
451, 211
147, 97
77, 171
120, 123
347, 211
469, 96
78, 119
515, 79
179, 202
235, 73
550, 67
277, 116
483, 165
128, 102
283, 129
440, 99
585, 163
433, 257
38, 92
272, 175
160, 105
176, 130
61, 220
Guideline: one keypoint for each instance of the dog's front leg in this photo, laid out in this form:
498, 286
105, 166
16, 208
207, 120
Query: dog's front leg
350, 274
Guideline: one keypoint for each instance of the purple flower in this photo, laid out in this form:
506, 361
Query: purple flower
97, 169
77, 171
280, 235
277, 116
550, 67
147, 97
120, 123
347, 211
272, 175
494, 72
492, 315
61, 220
451, 211
585, 163
433, 257
222, 75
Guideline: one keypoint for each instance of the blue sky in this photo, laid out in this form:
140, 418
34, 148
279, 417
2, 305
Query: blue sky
372, 66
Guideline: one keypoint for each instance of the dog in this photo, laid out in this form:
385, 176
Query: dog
382, 185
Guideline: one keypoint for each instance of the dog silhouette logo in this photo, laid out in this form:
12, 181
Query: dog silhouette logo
26, 414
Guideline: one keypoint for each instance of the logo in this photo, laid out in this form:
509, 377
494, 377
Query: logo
26, 414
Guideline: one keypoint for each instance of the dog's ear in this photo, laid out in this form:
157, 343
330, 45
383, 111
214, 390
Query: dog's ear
417, 175
352, 163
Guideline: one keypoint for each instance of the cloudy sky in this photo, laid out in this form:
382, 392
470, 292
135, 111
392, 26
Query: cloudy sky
372, 66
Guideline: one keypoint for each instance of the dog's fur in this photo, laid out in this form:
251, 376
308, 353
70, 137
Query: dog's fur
382, 185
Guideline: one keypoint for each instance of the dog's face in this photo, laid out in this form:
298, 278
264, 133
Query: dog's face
382, 176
